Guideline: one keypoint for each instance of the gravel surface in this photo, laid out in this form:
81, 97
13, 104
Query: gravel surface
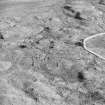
52, 52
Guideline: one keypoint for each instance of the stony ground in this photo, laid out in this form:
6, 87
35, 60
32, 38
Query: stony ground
48, 55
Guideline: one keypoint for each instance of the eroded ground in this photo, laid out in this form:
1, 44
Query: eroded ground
42, 57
